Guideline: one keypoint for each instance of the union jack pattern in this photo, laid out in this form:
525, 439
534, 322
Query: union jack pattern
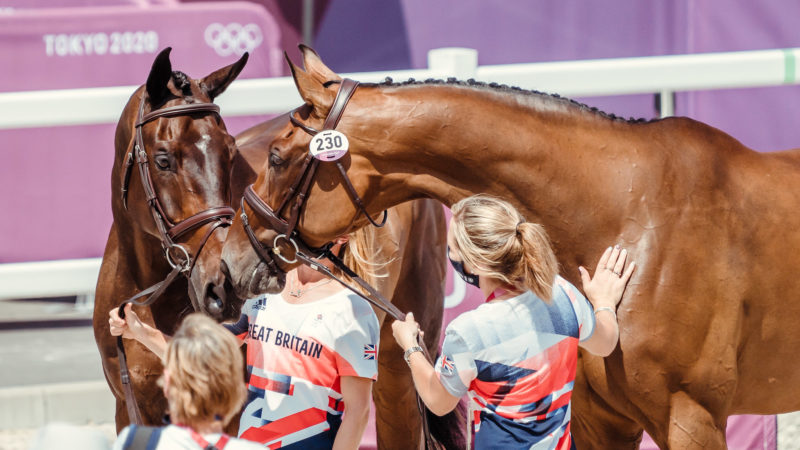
295, 365
517, 361
447, 365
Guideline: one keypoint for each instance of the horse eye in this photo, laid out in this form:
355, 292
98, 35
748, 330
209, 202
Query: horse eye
275, 160
162, 161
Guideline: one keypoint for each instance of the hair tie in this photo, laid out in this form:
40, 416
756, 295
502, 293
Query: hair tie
517, 227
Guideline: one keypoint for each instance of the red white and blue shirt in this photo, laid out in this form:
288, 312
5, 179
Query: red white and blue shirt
296, 355
517, 360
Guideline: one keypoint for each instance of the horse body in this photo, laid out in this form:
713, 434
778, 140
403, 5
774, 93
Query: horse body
705, 327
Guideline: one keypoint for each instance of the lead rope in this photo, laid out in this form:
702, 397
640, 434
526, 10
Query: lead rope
380, 302
157, 289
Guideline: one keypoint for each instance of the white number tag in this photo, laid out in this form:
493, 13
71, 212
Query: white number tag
329, 145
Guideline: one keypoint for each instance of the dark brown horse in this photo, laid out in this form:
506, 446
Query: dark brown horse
178, 198
413, 242
706, 328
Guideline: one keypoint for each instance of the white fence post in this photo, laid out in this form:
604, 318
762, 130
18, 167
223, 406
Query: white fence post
667, 103
461, 63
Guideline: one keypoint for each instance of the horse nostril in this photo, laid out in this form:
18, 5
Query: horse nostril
214, 300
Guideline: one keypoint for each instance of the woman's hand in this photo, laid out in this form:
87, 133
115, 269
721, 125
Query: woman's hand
608, 284
131, 327
405, 332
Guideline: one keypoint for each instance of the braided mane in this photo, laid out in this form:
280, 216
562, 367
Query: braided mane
512, 90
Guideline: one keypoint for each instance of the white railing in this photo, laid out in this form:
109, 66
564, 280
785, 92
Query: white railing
601, 77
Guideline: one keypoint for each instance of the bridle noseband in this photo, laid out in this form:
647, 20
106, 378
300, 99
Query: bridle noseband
221, 216
298, 190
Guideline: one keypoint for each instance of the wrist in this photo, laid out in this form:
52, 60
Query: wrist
410, 351
607, 310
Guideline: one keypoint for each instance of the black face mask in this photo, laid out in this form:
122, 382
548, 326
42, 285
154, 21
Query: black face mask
458, 266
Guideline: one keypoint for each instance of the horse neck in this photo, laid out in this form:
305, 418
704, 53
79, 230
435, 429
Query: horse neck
560, 164
141, 264
140, 253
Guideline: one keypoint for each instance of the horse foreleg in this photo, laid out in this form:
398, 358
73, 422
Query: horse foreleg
397, 421
597, 425
692, 426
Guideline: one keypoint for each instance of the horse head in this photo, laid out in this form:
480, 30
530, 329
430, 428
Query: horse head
173, 161
300, 201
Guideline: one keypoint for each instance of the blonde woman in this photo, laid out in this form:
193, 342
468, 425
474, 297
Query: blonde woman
203, 388
516, 354
311, 356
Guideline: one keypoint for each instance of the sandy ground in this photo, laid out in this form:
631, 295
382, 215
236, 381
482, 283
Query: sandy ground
24, 438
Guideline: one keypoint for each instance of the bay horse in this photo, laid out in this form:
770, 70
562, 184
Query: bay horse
706, 328
164, 215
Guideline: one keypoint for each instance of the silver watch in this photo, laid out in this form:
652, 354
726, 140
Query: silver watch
411, 350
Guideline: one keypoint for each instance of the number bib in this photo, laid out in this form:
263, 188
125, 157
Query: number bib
328, 145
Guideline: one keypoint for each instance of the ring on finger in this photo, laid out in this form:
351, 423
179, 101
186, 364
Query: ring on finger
616, 273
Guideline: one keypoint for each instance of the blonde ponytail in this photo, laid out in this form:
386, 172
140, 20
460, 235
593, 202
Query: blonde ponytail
493, 237
539, 266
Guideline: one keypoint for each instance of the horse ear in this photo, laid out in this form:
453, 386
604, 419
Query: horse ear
312, 90
159, 76
216, 82
314, 65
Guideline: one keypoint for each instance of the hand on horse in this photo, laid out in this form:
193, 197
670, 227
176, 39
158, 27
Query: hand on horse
131, 327
405, 332
608, 284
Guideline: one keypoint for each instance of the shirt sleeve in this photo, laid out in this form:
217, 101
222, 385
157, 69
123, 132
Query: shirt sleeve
456, 365
357, 344
122, 439
240, 328
583, 309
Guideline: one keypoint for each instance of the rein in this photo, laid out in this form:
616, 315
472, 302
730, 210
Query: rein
177, 255
287, 228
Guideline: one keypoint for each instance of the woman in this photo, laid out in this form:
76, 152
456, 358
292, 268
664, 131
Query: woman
516, 354
201, 393
311, 354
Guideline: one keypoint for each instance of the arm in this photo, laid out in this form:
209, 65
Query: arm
435, 396
132, 327
357, 394
605, 291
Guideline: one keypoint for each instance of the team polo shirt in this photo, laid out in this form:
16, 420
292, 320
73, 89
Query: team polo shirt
517, 358
296, 356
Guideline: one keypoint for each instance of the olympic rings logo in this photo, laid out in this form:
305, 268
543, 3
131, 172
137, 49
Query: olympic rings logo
233, 38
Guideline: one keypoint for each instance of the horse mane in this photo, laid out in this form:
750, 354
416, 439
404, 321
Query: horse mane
512, 90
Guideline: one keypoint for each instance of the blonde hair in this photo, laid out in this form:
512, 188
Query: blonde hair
493, 236
205, 367
363, 254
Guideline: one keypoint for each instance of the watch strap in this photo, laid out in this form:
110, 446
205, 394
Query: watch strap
407, 354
